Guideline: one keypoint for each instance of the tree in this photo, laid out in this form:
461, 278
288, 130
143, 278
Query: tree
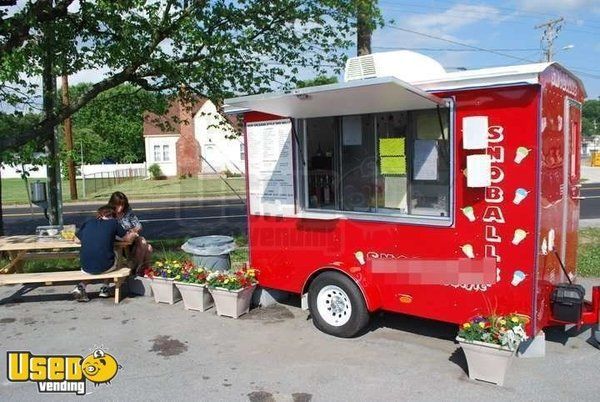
591, 117
213, 48
319, 80
368, 17
27, 158
111, 125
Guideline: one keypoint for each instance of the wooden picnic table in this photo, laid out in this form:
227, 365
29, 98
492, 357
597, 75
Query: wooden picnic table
31, 247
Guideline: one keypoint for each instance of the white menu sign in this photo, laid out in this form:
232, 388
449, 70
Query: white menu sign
270, 168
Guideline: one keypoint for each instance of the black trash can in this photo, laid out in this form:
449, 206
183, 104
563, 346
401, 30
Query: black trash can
211, 252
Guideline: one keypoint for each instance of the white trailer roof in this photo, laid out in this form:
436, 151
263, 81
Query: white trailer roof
384, 94
374, 95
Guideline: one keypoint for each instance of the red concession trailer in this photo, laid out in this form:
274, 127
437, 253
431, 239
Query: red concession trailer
412, 190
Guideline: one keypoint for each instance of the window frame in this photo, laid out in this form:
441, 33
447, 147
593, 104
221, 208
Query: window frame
156, 147
167, 148
302, 201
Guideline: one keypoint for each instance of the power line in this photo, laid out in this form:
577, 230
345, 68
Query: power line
427, 49
460, 43
521, 14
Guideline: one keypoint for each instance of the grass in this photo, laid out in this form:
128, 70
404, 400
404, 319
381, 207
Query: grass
163, 249
13, 190
588, 263
176, 188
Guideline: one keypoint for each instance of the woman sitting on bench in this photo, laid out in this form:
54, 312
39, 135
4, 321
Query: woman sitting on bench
140, 252
97, 255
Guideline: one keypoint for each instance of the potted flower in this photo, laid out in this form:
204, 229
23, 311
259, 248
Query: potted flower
232, 291
192, 286
490, 343
163, 274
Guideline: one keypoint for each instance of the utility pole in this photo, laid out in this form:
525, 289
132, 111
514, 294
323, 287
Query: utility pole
68, 128
550, 33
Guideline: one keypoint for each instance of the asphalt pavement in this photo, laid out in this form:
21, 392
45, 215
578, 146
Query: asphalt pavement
274, 354
189, 217
160, 219
590, 206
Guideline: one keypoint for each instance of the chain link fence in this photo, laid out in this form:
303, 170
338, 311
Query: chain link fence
95, 182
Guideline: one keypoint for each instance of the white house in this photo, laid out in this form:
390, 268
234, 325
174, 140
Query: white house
190, 142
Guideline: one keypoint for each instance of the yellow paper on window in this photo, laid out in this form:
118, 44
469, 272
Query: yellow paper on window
393, 165
391, 147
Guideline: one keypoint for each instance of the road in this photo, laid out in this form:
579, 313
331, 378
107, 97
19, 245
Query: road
160, 219
181, 218
590, 207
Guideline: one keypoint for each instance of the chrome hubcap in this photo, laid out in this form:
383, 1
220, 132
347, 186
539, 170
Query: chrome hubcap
334, 305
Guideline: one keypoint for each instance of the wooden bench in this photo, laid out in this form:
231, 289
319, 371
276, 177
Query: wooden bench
48, 278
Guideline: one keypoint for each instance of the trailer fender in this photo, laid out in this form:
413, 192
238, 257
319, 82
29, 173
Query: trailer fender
369, 291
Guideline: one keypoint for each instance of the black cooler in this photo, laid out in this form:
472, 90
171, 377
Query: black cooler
567, 302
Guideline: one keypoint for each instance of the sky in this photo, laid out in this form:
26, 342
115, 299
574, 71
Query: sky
505, 27
444, 30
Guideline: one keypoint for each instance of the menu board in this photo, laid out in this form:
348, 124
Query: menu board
270, 168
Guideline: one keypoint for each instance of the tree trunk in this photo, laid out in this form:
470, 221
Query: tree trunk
51, 141
69, 139
1, 213
364, 26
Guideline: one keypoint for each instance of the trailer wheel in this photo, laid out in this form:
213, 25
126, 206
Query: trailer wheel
336, 305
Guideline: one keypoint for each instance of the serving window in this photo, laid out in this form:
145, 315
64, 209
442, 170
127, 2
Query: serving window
390, 164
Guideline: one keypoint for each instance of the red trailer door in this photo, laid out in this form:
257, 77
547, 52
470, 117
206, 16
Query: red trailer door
571, 185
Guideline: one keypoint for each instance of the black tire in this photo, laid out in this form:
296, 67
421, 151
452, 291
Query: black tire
359, 316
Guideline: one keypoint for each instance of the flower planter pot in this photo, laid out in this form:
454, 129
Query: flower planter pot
232, 303
139, 285
164, 291
195, 296
487, 362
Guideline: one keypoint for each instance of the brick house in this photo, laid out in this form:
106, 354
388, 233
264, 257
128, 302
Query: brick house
190, 142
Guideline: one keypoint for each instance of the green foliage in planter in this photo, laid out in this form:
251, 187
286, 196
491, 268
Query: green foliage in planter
507, 330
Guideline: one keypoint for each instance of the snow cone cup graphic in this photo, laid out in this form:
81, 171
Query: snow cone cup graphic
468, 250
468, 211
520, 195
360, 257
518, 277
518, 237
521, 154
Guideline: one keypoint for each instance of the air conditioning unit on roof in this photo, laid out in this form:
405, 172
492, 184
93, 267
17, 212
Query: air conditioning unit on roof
403, 64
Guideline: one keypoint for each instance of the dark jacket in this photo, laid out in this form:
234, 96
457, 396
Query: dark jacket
97, 244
